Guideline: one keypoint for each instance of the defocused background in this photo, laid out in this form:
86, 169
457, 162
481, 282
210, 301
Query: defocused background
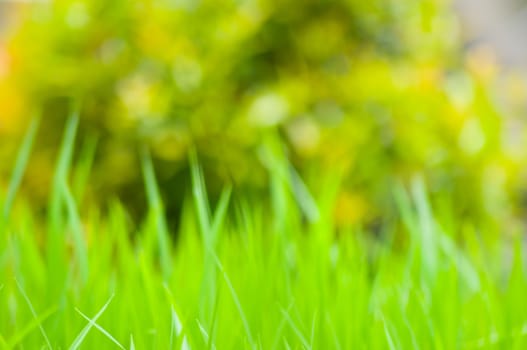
377, 90
501, 25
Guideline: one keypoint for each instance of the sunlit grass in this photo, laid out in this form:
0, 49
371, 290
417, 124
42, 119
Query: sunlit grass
245, 274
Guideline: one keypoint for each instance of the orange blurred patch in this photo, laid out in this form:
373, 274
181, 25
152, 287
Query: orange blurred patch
5, 62
482, 63
11, 100
11, 109
428, 78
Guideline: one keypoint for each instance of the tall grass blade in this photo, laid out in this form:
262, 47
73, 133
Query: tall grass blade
34, 313
81, 173
84, 332
295, 329
22, 160
17, 338
78, 233
389, 338
429, 253
206, 337
102, 330
56, 242
61, 172
132, 344
237, 302
156, 207
199, 193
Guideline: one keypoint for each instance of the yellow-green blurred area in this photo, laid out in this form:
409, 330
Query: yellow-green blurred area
377, 90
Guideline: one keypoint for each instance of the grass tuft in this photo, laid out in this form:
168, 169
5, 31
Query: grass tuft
293, 277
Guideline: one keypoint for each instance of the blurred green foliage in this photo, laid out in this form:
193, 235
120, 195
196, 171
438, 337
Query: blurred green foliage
375, 90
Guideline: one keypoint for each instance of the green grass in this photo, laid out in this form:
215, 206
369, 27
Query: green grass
243, 274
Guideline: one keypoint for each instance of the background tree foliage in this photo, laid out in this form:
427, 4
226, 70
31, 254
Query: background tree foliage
377, 89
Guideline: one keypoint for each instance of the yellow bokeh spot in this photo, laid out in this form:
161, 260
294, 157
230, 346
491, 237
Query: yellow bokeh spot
350, 209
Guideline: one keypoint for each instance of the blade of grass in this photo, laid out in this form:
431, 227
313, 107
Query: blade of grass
101, 329
295, 329
281, 327
156, 206
206, 336
199, 194
132, 344
210, 343
84, 332
219, 216
55, 244
78, 233
209, 234
19, 336
33, 312
389, 339
303, 197
285, 176
83, 168
177, 327
61, 171
236, 300
22, 160
313, 330
429, 254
